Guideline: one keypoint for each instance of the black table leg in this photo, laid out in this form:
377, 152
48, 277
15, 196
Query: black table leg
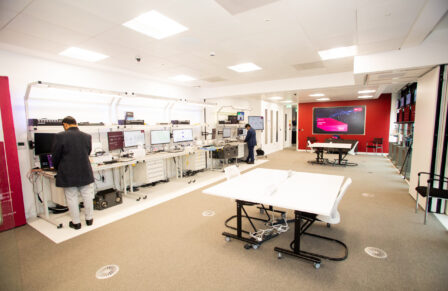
300, 230
239, 228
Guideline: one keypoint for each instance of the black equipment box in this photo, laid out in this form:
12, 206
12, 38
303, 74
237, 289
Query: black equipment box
227, 152
107, 198
44, 122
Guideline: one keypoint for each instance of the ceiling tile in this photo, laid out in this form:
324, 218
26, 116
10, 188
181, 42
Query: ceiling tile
237, 6
14, 5
46, 31
6, 16
68, 16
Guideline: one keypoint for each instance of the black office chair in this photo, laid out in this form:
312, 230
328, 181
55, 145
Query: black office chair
376, 144
431, 191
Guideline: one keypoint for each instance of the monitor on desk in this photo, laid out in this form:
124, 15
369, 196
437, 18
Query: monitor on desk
182, 135
160, 137
134, 138
115, 140
43, 142
226, 133
242, 131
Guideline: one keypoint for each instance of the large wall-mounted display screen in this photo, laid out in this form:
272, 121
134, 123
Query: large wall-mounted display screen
256, 122
341, 120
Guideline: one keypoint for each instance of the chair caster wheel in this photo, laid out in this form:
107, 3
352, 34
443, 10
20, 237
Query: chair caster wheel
59, 225
227, 239
279, 256
316, 265
328, 225
138, 199
146, 196
247, 246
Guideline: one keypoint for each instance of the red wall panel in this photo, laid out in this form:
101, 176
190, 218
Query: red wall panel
12, 209
377, 121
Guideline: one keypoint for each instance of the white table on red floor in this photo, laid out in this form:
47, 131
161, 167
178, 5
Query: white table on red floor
319, 148
308, 194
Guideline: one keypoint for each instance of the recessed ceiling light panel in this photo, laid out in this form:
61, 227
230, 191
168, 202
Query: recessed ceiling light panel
155, 24
82, 54
183, 78
323, 99
245, 67
317, 95
338, 52
365, 97
275, 98
286, 101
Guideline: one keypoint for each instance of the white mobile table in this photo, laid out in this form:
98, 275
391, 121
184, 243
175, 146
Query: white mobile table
308, 194
320, 146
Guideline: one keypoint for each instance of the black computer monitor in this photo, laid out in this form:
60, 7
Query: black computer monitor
115, 140
160, 137
182, 135
43, 143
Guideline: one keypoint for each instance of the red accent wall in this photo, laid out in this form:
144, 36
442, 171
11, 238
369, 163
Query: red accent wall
377, 121
15, 194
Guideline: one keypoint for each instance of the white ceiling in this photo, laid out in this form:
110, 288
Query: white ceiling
279, 36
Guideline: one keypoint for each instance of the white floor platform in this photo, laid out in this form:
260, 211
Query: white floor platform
156, 195
443, 218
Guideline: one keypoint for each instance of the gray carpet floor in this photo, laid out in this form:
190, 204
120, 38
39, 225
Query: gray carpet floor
173, 247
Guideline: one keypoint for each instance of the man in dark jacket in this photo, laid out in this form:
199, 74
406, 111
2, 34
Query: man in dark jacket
71, 150
251, 140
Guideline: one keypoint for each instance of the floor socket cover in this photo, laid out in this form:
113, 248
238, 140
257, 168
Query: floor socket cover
375, 252
208, 213
106, 272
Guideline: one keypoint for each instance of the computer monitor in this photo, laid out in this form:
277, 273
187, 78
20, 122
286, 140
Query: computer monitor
43, 142
134, 138
160, 137
240, 116
242, 131
226, 133
115, 139
182, 135
256, 122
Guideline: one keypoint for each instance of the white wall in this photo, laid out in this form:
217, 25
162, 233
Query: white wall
22, 70
271, 144
424, 127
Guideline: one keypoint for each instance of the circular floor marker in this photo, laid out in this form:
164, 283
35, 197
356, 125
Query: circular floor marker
107, 271
208, 213
368, 195
375, 252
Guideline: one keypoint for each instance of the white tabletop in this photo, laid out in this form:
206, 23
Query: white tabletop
308, 192
331, 145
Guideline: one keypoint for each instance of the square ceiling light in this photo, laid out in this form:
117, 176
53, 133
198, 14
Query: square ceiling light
338, 52
317, 95
155, 24
82, 54
286, 101
275, 98
183, 78
365, 97
323, 99
245, 67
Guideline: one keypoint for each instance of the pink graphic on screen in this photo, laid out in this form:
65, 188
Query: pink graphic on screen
330, 124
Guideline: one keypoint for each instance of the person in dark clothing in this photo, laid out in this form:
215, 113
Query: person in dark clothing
71, 150
251, 140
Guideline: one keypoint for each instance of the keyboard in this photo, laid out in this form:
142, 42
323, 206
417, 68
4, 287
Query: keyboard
110, 162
